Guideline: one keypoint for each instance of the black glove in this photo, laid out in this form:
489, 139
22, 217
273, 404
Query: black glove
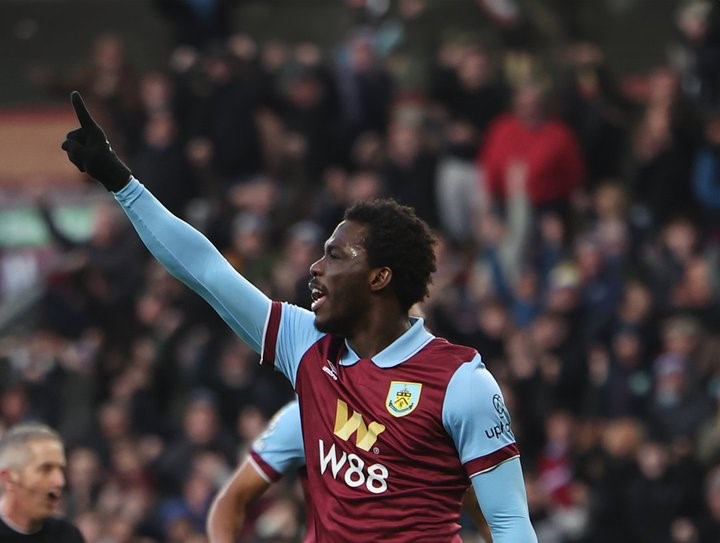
88, 148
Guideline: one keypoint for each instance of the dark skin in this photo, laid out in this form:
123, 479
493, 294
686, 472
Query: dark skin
357, 301
370, 318
229, 508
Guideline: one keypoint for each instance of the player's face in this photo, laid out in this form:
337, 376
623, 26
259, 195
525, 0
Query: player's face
340, 281
37, 487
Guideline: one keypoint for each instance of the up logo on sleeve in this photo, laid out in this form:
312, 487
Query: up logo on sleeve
503, 425
499, 406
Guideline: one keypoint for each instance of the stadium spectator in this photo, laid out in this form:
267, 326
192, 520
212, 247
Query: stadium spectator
365, 88
590, 101
546, 145
706, 176
408, 174
663, 146
202, 432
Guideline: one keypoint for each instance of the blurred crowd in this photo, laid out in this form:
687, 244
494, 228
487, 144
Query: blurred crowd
578, 218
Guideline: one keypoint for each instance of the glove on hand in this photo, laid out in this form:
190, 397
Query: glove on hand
88, 148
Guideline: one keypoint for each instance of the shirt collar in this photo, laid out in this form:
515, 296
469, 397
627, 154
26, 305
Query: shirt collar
414, 339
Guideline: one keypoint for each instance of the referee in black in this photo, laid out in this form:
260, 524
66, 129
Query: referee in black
32, 479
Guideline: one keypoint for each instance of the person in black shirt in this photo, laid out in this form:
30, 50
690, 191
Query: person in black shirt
32, 479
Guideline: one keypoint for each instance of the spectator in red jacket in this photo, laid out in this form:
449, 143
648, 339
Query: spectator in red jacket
547, 147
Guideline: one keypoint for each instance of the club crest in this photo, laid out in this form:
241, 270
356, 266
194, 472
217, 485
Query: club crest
402, 398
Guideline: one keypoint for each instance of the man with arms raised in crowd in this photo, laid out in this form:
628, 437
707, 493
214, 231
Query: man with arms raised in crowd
32, 479
396, 422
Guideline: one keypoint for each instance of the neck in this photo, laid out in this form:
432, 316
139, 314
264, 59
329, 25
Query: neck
14, 518
377, 334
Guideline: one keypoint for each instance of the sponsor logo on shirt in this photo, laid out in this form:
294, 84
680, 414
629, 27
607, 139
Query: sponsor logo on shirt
402, 398
350, 468
330, 370
346, 425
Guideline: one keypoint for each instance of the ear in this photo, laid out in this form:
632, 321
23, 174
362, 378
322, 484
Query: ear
7, 476
380, 278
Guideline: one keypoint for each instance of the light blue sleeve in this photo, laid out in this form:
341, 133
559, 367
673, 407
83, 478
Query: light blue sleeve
281, 444
190, 257
297, 333
474, 415
502, 498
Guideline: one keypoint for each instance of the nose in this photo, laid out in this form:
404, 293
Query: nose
315, 267
58, 478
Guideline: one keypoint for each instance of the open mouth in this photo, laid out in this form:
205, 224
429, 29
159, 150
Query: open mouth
54, 497
318, 296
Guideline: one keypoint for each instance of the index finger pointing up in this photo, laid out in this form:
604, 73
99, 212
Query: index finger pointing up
83, 115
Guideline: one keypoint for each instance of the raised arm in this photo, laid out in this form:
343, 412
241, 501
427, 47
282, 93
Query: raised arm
185, 252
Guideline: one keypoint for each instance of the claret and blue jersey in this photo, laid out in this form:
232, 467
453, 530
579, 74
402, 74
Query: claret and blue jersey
279, 449
393, 439
391, 442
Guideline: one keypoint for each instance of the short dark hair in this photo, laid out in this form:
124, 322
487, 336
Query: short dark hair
399, 239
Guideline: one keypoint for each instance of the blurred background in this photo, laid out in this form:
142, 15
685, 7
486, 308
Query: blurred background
567, 153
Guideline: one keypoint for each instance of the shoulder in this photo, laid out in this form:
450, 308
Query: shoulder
63, 531
5, 530
441, 360
284, 429
451, 353
471, 389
